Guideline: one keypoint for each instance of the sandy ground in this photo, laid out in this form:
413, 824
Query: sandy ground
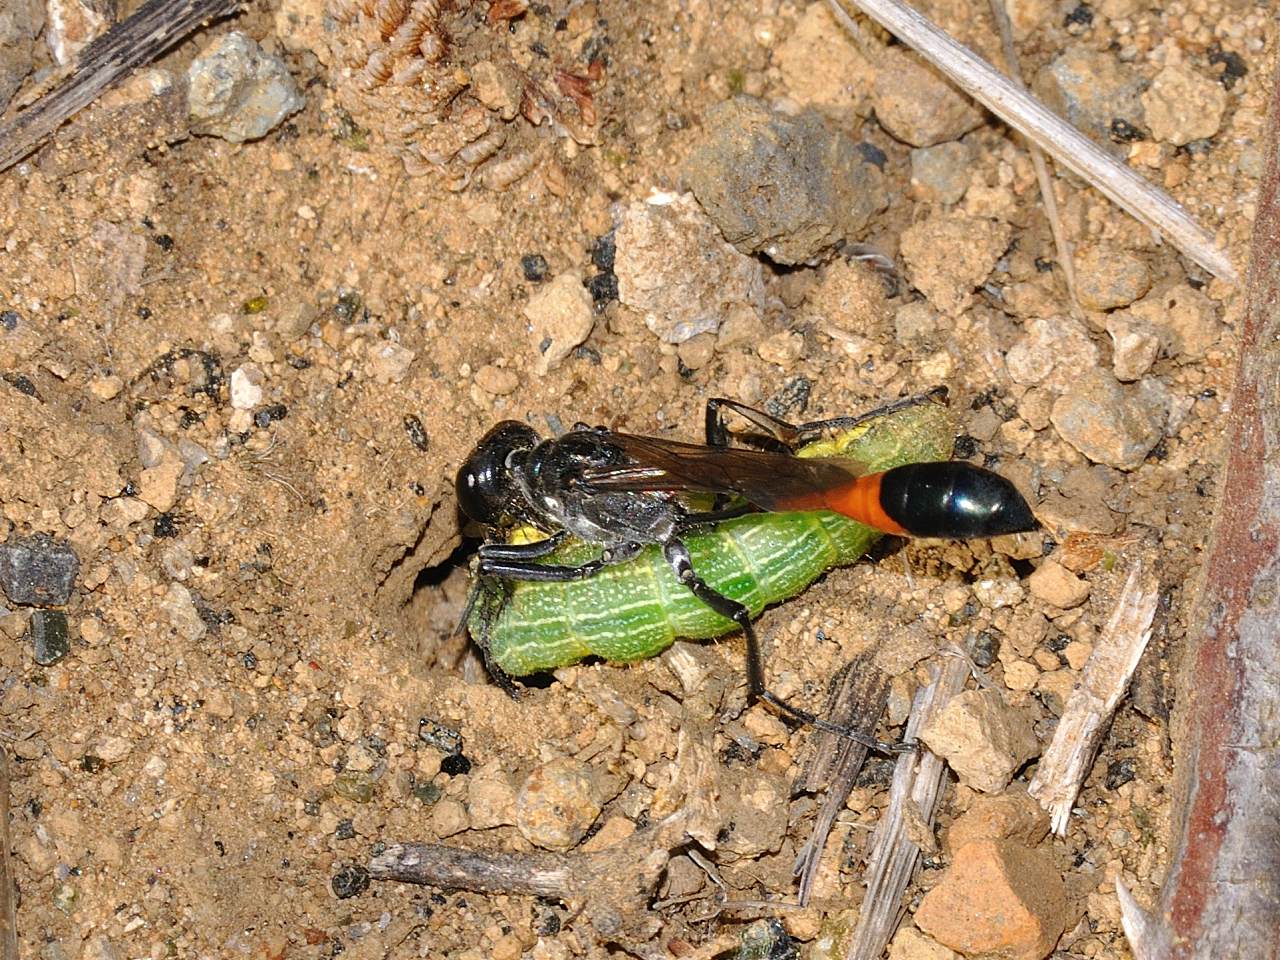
265, 596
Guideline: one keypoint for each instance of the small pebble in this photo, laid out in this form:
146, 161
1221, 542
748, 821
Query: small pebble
491, 799
246, 386
557, 804
239, 92
1120, 772
675, 268
436, 734
1183, 317
910, 944
785, 186
560, 318
783, 348
158, 485
1093, 89
350, 881
1183, 105
448, 817
998, 898
182, 613
49, 636
994, 594
1051, 353
982, 738
1105, 423
497, 381
354, 785
38, 570
389, 362
949, 255
1058, 586
534, 267
417, 433
917, 105
1108, 276
1134, 346
1009, 816
940, 174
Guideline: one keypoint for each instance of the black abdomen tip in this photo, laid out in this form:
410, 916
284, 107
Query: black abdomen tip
953, 499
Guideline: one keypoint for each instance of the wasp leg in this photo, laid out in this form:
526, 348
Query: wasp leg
777, 435
522, 551
786, 437
677, 555
555, 573
701, 518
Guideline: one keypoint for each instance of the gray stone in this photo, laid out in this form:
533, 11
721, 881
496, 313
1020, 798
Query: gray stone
940, 174
1092, 89
20, 23
675, 269
1106, 422
49, 636
238, 91
38, 570
787, 187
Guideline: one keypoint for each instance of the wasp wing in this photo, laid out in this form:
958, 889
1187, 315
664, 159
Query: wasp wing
771, 481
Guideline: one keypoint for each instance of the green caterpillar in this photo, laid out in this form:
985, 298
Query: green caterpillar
636, 609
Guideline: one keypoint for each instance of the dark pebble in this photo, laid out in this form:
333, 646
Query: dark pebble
348, 307
38, 570
986, 649
1119, 773
165, 526
1058, 642
550, 925
872, 154
417, 433
535, 267
604, 251
350, 882
1122, 131
435, 734
428, 793
1233, 65
22, 383
603, 288
164, 242
267, 415
91, 764
455, 765
966, 446
345, 830
792, 398
10, 319
50, 640
1081, 16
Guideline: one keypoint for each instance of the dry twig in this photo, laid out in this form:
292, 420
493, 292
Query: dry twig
858, 700
1088, 713
917, 780
155, 27
612, 886
1039, 124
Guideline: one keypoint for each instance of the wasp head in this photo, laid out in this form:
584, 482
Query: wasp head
487, 488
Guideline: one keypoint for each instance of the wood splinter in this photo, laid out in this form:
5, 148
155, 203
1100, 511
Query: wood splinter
609, 887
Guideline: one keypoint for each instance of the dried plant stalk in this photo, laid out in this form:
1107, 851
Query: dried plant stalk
1066, 762
917, 780
859, 697
1041, 125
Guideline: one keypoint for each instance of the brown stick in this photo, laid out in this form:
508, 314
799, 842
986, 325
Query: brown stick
613, 886
155, 27
1222, 894
859, 697
436, 865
